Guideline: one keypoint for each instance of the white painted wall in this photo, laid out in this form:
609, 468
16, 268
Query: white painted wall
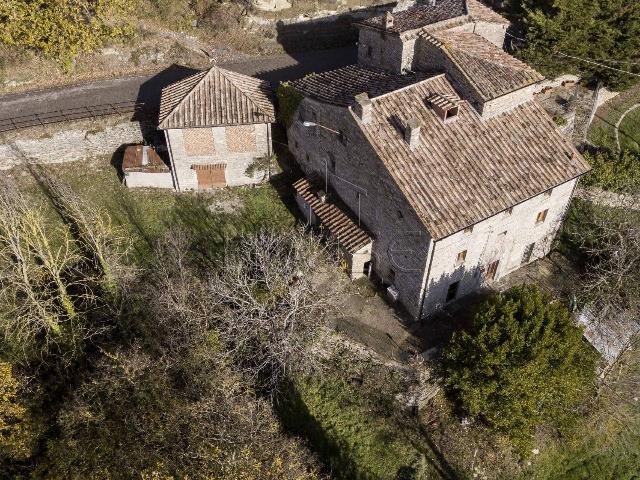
148, 180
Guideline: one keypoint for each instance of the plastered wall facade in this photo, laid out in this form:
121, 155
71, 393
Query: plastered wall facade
236, 146
502, 237
148, 180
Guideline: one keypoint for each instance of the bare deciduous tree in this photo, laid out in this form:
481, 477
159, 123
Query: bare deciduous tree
55, 276
261, 303
267, 303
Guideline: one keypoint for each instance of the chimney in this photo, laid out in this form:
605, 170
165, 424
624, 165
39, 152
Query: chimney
388, 20
363, 107
412, 133
432, 3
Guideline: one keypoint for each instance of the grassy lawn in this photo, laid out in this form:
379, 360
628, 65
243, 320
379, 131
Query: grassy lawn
602, 131
145, 214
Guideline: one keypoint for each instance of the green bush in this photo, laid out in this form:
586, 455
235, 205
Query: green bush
288, 100
521, 363
614, 172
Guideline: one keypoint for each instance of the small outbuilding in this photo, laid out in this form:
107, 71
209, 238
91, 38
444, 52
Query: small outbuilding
217, 126
143, 167
320, 211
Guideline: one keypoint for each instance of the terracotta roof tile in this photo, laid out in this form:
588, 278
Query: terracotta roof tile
339, 86
424, 15
346, 231
491, 70
216, 97
467, 170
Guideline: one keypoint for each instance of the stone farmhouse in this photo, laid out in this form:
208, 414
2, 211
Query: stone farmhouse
430, 161
217, 124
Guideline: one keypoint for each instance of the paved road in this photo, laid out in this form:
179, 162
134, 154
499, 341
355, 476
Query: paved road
146, 88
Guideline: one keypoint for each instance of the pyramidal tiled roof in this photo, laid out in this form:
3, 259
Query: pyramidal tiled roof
470, 169
424, 15
216, 97
491, 71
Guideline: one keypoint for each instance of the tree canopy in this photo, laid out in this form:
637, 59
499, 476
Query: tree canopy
605, 31
521, 363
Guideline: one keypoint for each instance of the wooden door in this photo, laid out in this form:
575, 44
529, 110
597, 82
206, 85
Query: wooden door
211, 175
492, 269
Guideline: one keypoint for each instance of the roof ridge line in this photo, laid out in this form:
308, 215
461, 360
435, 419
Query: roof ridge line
245, 94
406, 87
206, 73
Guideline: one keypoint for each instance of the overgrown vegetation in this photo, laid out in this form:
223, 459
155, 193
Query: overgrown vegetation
288, 100
522, 363
352, 425
63, 29
147, 372
618, 173
604, 31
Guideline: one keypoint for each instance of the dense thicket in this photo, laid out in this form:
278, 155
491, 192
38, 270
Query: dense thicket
607, 31
167, 371
521, 363
61, 29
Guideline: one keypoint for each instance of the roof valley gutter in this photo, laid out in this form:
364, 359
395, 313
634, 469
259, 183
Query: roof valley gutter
426, 281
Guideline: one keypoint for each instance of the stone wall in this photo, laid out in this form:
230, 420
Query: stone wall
376, 49
361, 181
428, 57
236, 146
71, 143
493, 32
403, 252
488, 242
397, 53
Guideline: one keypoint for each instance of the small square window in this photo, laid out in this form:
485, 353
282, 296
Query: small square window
509, 211
468, 229
462, 256
542, 216
548, 192
452, 291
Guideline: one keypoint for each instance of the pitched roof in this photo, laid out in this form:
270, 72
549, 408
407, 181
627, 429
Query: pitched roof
465, 171
480, 12
338, 87
423, 15
346, 231
490, 70
216, 97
